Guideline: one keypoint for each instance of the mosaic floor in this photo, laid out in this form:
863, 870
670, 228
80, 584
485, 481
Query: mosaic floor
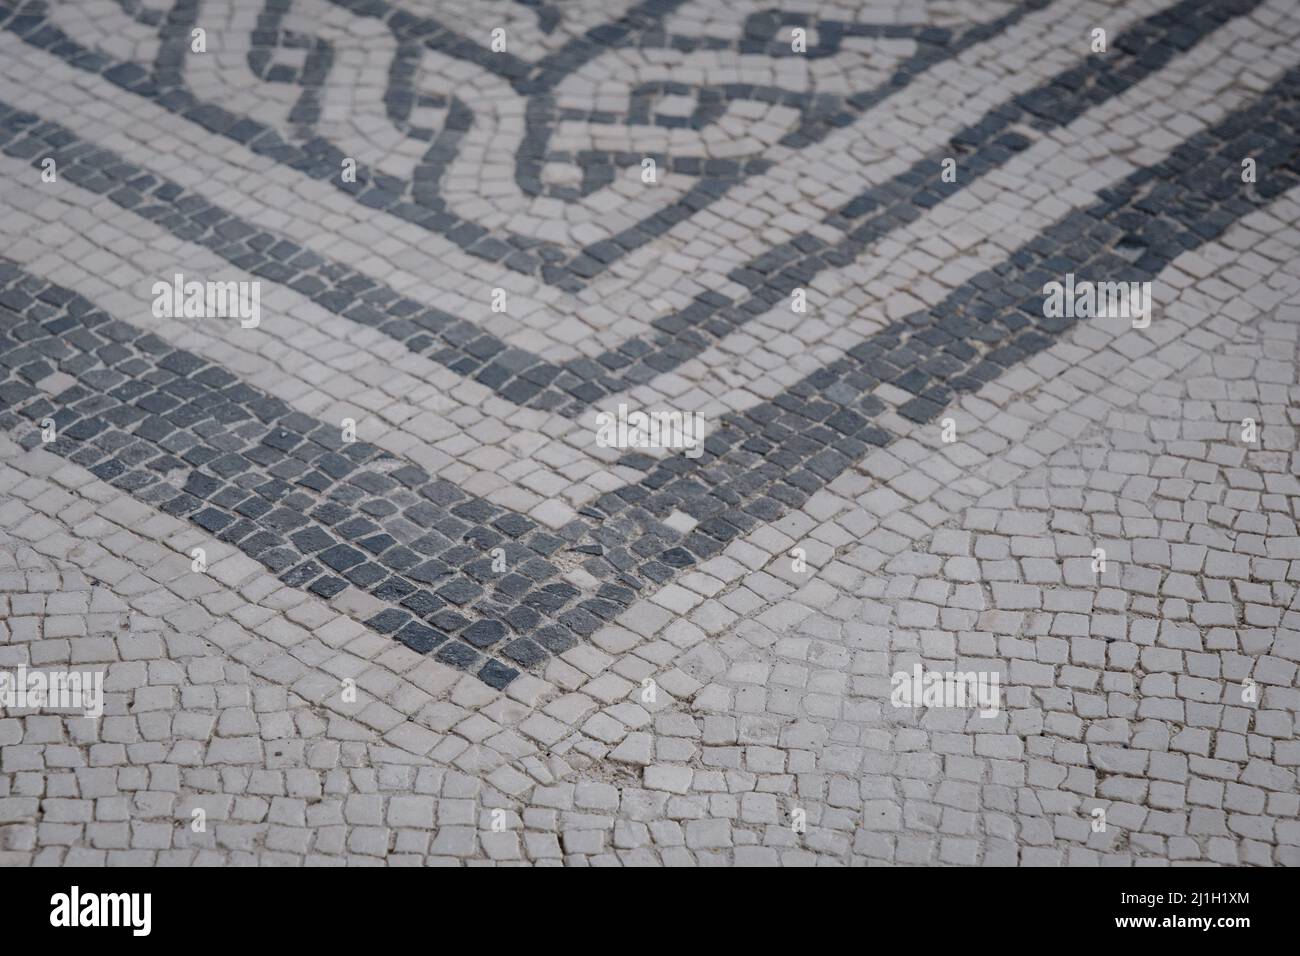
365, 585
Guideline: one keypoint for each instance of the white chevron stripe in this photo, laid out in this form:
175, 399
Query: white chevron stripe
322, 364
657, 279
1262, 253
804, 186
520, 458
978, 227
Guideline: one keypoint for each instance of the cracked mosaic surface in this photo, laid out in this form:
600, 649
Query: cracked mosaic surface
557, 652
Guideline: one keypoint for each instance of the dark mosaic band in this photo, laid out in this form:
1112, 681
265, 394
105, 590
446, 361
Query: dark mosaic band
571, 387
187, 436
418, 200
